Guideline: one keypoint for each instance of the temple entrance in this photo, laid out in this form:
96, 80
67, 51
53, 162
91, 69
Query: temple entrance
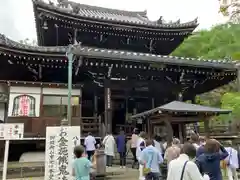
123, 109
118, 114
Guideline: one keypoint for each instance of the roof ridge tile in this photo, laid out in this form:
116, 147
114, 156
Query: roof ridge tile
110, 14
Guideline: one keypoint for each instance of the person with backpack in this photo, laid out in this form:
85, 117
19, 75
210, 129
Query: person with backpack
151, 159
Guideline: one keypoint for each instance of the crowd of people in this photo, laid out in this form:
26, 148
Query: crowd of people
196, 159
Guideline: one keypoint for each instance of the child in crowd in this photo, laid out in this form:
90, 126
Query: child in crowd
81, 165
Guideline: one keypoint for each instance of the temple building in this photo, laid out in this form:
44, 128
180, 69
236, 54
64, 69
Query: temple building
121, 67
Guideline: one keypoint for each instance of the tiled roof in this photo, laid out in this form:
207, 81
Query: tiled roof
177, 106
153, 58
106, 14
91, 52
13, 45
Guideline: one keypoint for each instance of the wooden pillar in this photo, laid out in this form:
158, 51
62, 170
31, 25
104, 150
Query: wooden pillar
180, 132
108, 109
196, 125
80, 106
206, 127
167, 121
95, 113
184, 132
74, 40
95, 108
153, 103
126, 112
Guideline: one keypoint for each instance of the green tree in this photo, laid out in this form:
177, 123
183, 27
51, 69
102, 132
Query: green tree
222, 41
232, 10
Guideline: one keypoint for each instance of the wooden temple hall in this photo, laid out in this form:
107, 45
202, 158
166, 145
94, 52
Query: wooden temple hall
121, 68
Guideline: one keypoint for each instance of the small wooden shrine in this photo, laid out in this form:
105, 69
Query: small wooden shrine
170, 119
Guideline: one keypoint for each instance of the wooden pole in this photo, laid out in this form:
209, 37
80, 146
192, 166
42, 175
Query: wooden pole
206, 127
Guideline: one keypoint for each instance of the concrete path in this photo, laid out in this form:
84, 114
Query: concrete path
114, 172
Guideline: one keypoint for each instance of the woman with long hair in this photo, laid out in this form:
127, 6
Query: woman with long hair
209, 162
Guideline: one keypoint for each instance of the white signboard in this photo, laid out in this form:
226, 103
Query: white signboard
60, 142
11, 131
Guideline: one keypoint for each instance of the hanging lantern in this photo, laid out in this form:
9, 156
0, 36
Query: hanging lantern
45, 25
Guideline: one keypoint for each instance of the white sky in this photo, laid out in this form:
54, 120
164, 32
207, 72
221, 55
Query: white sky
17, 19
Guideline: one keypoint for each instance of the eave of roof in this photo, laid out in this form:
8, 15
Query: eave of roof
153, 58
110, 15
181, 107
90, 52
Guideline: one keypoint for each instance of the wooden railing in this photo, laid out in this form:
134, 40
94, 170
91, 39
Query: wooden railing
91, 124
217, 130
127, 128
36, 126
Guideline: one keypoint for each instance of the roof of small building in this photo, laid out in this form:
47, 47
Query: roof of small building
9, 46
182, 107
69, 8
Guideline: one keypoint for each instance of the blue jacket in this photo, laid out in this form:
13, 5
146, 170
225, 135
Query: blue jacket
209, 163
152, 157
121, 143
200, 150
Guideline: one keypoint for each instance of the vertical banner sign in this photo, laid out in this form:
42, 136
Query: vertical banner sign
108, 99
108, 107
59, 157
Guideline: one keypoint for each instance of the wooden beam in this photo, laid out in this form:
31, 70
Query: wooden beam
178, 119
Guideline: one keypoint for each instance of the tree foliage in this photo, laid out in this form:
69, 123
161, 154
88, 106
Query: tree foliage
222, 41
232, 10
232, 101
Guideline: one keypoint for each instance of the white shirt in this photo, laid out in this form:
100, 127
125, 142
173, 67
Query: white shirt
89, 143
176, 166
158, 146
109, 143
138, 150
232, 157
196, 145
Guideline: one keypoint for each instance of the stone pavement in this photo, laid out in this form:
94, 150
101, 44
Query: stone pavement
114, 172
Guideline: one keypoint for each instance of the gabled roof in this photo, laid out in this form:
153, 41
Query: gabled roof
10, 46
182, 107
177, 106
78, 10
